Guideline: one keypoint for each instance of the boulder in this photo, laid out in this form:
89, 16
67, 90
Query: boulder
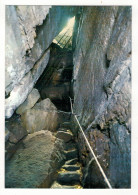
42, 116
14, 129
34, 164
29, 102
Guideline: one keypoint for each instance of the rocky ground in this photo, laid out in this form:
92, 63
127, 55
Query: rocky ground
45, 160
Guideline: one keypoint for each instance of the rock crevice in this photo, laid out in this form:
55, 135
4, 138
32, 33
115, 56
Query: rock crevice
40, 78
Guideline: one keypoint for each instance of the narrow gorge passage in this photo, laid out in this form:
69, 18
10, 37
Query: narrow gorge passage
56, 84
55, 54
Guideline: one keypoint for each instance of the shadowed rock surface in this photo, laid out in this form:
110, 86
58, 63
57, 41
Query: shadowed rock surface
102, 90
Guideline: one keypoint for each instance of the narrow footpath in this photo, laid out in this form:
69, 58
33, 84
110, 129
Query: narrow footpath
70, 174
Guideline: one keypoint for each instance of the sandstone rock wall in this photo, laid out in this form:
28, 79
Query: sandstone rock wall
21, 22
102, 91
29, 32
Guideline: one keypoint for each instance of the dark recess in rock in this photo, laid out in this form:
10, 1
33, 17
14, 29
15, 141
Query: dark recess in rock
55, 82
107, 61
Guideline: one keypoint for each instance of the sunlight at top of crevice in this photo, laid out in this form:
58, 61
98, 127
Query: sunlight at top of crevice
64, 38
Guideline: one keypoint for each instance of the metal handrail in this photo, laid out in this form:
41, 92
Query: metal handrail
90, 148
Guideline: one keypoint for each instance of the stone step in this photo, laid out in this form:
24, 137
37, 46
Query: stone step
69, 178
65, 136
56, 185
63, 187
62, 129
70, 146
71, 162
71, 154
71, 167
66, 125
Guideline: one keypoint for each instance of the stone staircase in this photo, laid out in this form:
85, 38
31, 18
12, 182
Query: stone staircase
69, 176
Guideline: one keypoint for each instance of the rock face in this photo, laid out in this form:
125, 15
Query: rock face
29, 102
40, 155
32, 29
102, 90
42, 116
21, 90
